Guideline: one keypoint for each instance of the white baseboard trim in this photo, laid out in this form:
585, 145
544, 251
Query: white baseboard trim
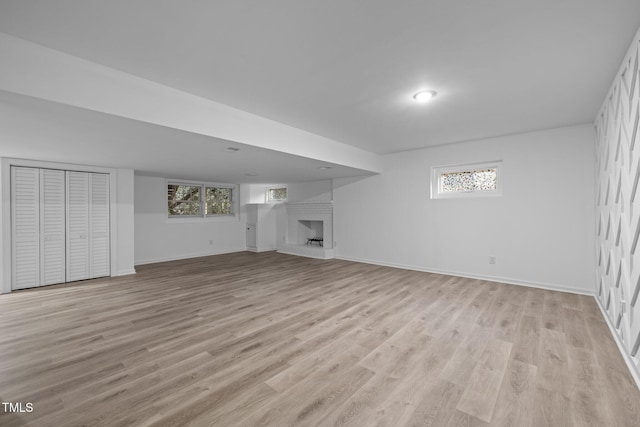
259, 250
124, 273
179, 257
635, 372
507, 280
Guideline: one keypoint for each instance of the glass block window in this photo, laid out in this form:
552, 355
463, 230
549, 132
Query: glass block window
477, 180
186, 199
277, 194
482, 179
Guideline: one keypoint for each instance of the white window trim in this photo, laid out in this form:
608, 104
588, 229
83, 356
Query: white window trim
203, 217
437, 171
273, 187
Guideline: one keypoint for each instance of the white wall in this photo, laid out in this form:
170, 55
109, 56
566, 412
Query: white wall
258, 192
124, 261
618, 208
160, 239
310, 192
540, 230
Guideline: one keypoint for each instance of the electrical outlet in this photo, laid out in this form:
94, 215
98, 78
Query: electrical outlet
492, 260
335, 243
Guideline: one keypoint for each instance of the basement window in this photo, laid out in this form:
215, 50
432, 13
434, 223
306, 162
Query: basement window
469, 180
277, 194
184, 200
218, 201
199, 200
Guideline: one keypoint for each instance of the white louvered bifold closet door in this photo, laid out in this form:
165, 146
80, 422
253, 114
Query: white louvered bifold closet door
60, 226
77, 226
52, 226
88, 237
99, 247
25, 224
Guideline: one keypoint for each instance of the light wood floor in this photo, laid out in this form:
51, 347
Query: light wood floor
267, 339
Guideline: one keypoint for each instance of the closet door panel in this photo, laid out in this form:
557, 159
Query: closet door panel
77, 225
52, 226
25, 223
99, 252
60, 226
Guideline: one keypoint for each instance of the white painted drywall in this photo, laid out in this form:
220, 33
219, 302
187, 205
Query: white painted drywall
310, 192
540, 230
124, 222
258, 192
34, 70
159, 238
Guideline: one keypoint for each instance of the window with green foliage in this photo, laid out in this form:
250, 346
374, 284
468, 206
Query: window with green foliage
199, 200
218, 201
277, 194
184, 200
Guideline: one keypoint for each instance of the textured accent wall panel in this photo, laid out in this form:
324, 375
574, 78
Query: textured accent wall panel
618, 204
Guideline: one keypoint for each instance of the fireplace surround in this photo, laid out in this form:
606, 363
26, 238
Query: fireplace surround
308, 225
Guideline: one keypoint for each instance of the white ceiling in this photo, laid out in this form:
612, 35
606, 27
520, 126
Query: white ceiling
53, 132
346, 69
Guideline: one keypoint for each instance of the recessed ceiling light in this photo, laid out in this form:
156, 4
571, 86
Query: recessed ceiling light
231, 149
425, 95
324, 168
